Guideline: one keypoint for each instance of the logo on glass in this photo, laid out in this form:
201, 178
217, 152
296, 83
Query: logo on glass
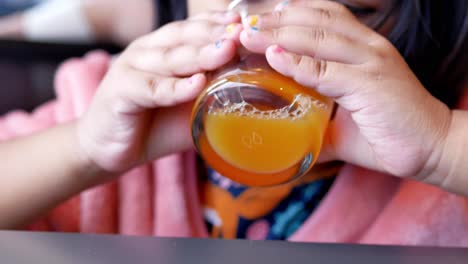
252, 140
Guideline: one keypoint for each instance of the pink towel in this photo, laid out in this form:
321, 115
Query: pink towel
161, 198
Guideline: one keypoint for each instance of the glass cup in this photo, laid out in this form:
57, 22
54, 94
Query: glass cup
256, 126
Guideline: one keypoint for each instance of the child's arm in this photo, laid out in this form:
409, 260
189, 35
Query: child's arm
139, 113
41, 170
386, 120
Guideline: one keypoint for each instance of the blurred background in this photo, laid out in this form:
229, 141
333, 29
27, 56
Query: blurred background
28, 63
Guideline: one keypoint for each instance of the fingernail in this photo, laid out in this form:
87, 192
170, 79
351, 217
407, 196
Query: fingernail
230, 28
219, 43
254, 29
252, 24
281, 5
278, 49
251, 30
253, 21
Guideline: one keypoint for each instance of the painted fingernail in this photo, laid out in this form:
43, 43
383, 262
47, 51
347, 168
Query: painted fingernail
253, 22
281, 5
250, 32
254, 29
230, 28
219, 43
278, 49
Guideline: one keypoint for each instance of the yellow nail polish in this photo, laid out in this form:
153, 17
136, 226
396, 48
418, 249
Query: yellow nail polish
230, 28
253, 20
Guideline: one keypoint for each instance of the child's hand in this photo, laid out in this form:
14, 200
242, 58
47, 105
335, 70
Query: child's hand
141, 110
387, 121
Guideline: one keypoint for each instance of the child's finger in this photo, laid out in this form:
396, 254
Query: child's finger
182, 60
152, 91
319, 4
174, 91
317, 42
344, 146
195, 32
169, 132
331, 79
221, 17
310, 17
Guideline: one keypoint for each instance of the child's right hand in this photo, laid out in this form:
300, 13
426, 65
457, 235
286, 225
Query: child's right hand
142, 108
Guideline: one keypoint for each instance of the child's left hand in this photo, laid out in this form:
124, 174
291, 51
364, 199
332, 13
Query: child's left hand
387, 121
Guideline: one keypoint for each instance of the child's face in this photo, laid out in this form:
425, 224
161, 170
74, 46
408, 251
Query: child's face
366, 10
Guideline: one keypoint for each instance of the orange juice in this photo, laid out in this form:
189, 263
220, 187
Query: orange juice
258, 127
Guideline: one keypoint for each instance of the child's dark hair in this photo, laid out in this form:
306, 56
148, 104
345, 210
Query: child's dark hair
432, 36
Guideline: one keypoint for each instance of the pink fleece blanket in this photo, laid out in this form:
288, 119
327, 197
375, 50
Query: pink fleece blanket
161, 198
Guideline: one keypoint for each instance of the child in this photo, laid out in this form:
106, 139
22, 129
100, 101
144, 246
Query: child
393, 125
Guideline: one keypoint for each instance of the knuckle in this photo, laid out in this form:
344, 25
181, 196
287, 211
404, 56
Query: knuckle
276, 33
307, 68
321, 68
325, 15
165, 53
317, 68
281, 34
379, 42
132, 56
159, 91
339, 7
383, 50
317, 35
374, 73
153, 86
304, 63
296, 60
380, 55
278, 16
204, 60
165, 92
